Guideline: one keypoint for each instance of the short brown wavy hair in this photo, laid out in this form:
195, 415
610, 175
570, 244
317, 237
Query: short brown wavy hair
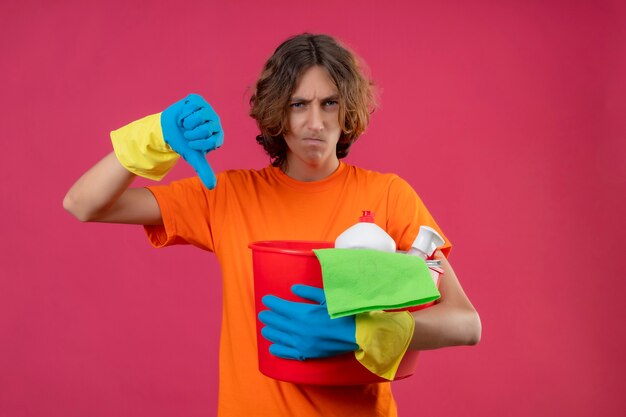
269, 103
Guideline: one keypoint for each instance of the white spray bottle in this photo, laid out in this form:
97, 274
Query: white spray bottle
424, 246
426, 242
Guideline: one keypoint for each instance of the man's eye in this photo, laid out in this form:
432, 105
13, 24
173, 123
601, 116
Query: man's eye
296, 105
330, 103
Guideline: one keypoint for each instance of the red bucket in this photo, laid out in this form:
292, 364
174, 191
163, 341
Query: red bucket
277, 266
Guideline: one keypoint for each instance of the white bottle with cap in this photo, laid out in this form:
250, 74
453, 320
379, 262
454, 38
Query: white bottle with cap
426, 242
366, 235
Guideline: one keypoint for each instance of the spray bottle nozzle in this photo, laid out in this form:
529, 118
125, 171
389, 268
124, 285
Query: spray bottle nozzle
426, 242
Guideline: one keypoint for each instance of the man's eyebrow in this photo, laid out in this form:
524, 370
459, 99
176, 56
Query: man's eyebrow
296, 99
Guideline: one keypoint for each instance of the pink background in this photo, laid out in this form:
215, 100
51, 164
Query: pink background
506, 117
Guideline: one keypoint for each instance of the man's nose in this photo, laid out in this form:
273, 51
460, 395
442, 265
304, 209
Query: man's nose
316, 120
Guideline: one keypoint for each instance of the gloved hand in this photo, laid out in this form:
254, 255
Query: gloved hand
150, 146
304, 330
192, 128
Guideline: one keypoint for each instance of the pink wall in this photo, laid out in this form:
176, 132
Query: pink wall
507, 117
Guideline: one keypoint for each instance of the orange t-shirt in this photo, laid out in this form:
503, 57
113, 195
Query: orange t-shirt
248, 206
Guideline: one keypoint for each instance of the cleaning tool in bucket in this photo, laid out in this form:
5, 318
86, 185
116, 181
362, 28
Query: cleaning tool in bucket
424, 246
364, 273
426, 242
361, 280
365, 235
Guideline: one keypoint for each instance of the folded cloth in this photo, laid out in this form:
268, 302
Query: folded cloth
361, 280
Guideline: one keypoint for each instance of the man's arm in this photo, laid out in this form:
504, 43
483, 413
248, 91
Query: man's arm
148, 147
102, 195
451, 322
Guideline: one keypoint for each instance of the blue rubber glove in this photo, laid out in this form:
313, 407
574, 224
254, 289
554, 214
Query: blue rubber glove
192, 128
304, 330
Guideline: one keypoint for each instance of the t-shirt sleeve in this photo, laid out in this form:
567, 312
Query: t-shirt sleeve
187, 210
407, 214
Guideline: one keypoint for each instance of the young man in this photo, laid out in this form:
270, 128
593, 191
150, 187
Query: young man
311, 103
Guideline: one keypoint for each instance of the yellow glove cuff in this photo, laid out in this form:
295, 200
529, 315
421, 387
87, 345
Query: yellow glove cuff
383, 338
141, 149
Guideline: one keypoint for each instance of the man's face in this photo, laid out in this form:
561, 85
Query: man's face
313, 124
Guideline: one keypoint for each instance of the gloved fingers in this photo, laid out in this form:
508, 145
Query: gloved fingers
286, 352
203, 131
277, 321
309, 293
193, 119
199, 117
190, 105
276, 336
201, 166
218, 138
267, 317
285, 308
203, 145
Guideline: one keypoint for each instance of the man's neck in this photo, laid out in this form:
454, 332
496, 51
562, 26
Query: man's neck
309, 173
